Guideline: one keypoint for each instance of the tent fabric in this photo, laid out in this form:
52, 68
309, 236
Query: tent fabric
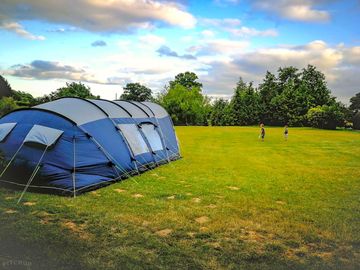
133, 109
134, 138
93, 143
111, 108
78, 110
159, 111
43, 135
5, 129
152, 136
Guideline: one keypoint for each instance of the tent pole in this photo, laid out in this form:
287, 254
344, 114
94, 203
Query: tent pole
74, 169
33, 174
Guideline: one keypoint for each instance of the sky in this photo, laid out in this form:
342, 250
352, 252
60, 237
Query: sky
106, 44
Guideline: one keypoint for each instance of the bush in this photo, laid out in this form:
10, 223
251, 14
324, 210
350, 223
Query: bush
326, 117
356, 121
7, 104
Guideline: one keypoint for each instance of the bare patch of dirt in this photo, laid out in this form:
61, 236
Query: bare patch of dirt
164, 233
78, 229
202, 220
281, 202
145, 223
212, 206
253, 236
171, 197
95, 193
196, 200
215, 245
119, 190
138, 195
29, 203
10, 211
233, 188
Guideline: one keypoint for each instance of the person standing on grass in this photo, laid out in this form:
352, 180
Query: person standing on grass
262, 132
286, 132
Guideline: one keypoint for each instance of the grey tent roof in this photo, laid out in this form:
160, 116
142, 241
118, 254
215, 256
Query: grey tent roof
83, 111
113, 109
79, 110
135, 111
159, 111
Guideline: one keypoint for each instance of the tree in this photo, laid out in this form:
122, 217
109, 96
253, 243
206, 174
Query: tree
313, 86
185, 106
7, 104
356, 121
5, 88
327, 117
218, 116
188, 80
355, 103
245, 105
23, 99
136, 92
287, 75
70, 90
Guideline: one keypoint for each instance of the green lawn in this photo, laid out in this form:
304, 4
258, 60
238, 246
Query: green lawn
232, 202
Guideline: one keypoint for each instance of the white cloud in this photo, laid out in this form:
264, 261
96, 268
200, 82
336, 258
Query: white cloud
227, 22
233, 26
338, 63
208, 34
153, 40
19, 30
219, 46
99, 16
246, 31
297, 10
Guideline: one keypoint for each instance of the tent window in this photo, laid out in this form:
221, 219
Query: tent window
5, 129
43, 135
152, 136
134, 138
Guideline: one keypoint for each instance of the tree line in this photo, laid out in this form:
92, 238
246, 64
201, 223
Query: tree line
291, 96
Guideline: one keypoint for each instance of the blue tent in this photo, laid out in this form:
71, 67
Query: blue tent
73, 145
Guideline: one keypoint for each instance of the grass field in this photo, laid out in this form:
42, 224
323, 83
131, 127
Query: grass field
232, 202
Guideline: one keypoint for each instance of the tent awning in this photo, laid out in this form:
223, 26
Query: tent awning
5, 129
43, 135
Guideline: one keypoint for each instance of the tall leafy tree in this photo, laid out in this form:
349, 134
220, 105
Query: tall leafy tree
313, 86
188, 80
5, 88
268, 90
245, 105
185, 106
136, 92
355, 103
287, 75
70, 90
219, 113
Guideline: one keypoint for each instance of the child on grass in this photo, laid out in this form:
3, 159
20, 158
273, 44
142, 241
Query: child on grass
286, 132
262, 132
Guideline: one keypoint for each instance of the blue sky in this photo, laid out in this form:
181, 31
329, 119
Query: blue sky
106, 44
